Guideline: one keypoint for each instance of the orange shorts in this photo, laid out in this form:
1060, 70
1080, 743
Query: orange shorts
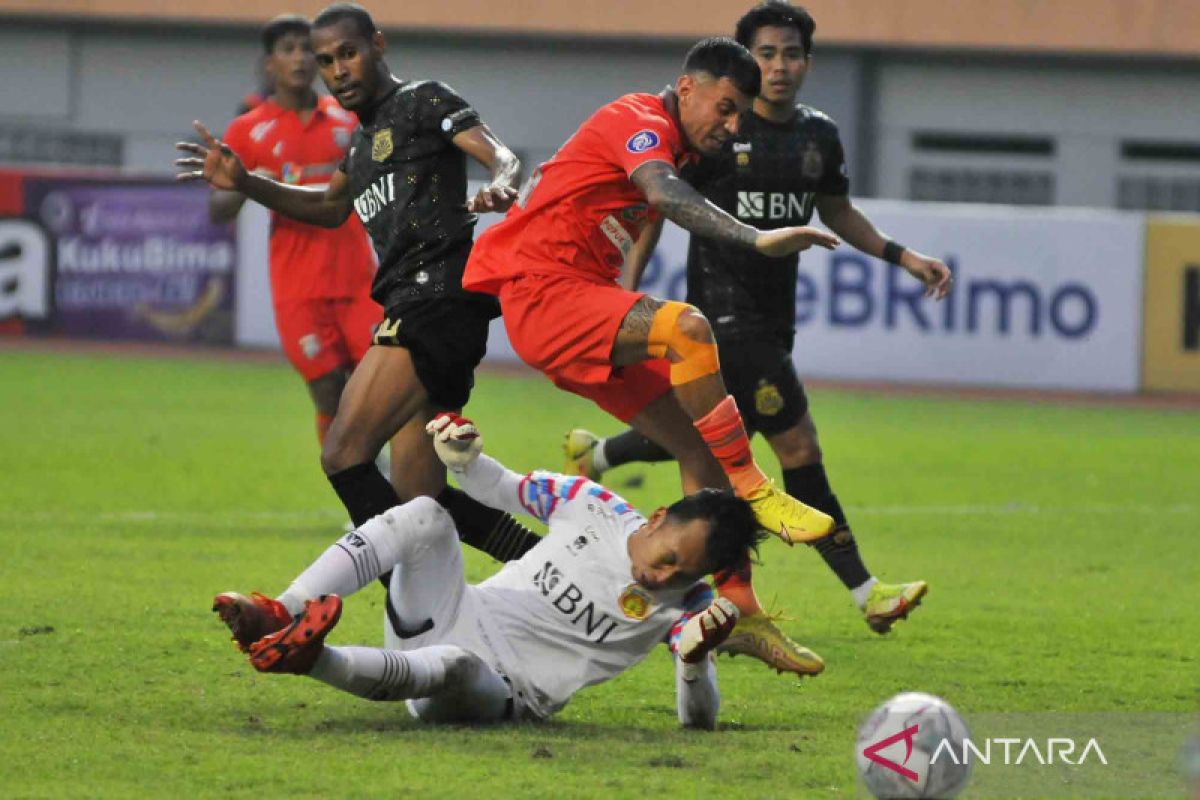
319, 336
565, 326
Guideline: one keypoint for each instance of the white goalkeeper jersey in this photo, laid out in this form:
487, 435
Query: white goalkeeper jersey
569, 614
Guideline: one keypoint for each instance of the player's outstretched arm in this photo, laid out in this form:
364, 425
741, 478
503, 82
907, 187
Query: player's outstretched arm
459, 445
483, 146
224, 205
214, 162
693, 640
697, 698
848, 221
687, 208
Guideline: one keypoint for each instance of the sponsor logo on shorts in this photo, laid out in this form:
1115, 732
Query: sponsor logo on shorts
310, 345
385, 332
642, 141
767, 399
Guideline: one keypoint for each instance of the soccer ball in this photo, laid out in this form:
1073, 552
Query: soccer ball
902, 748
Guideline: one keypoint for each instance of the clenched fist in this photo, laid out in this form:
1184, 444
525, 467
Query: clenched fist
706, 630
456, 440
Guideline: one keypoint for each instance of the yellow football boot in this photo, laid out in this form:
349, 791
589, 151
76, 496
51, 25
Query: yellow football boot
578, 445
757, 636
786, 517
890, 602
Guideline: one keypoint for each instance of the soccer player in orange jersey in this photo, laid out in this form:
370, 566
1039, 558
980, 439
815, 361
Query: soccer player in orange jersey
320, 277
554, 263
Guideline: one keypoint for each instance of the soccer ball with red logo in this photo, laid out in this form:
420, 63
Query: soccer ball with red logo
904, 747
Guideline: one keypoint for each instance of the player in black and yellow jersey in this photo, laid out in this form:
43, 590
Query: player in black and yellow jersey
404, 175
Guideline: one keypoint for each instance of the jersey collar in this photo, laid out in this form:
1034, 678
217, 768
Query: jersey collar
373, 114
273, 110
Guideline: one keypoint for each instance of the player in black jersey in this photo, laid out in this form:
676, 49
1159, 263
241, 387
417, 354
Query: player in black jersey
786, 162
405, 176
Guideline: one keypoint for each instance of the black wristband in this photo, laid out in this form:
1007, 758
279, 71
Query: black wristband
892, 252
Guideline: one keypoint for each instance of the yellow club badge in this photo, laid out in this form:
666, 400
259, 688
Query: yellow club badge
635, 602
381, 145
767, 399
743, 159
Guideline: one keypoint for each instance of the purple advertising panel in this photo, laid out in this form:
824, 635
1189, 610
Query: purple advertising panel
136, 259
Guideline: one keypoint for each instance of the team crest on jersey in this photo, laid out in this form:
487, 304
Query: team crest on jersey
635, 602
642, 141
811, 163
767, 399
381, 145
743, 159
259, 131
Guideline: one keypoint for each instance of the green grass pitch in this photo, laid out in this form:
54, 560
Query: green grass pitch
1060, 544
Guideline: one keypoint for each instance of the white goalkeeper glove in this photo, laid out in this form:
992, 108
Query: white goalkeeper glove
456, 440
706, 630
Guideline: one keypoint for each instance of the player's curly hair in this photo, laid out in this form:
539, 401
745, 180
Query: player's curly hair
281, 26
722, 57
337, 12
778, 13
733, 534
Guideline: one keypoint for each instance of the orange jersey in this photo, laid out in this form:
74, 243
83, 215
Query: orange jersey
307, 262
579, 213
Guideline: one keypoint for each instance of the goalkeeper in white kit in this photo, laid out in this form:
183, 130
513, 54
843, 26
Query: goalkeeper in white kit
601, 590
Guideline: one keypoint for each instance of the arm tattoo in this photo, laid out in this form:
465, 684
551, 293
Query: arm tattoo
687, 208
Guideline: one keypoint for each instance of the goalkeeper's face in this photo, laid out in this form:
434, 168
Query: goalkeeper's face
668, 554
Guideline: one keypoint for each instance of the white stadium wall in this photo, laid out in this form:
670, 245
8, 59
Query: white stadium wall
1047, 299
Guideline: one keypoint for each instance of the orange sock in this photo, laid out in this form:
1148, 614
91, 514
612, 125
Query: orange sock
323, 423
725, 435
735, 584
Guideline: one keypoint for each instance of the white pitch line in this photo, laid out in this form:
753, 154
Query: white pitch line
1020, 508
247, 517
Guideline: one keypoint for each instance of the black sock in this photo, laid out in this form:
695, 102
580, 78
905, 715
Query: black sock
491, 530
630, 446
810, 485
364, 491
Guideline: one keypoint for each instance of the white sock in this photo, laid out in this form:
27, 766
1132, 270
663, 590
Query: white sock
385, 674
353, 561
862, 591
294, 596
599, 461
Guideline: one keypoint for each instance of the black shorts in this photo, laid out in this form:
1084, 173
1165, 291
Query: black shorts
763, 381
446, 337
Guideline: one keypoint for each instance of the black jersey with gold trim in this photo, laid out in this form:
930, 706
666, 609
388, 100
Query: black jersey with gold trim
409, 187
767, 177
